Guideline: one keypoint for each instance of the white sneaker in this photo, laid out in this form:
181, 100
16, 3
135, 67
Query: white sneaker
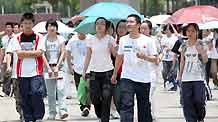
51, 116
114, 115
38, 120
99, 120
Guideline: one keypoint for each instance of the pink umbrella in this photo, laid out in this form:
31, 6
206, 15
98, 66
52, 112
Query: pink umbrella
194, 14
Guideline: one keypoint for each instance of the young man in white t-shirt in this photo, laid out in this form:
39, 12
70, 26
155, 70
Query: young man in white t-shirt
11, 60
6, 75
29, 48
76, 52
136, 51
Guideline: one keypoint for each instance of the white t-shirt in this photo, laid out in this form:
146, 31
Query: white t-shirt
214, 50
101, 55
169, 43
5, 42
155, 68
134, 68
53, 48
194, 68
205, 41
14, 60
28, 67
78, 50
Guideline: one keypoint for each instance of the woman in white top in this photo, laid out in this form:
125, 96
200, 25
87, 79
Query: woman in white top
169, 58
146, 28
192, 75
53, 59
99, 50
214, 58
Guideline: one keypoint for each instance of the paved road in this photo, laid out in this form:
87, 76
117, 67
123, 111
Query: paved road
166, 104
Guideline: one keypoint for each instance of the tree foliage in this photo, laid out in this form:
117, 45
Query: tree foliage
20, 6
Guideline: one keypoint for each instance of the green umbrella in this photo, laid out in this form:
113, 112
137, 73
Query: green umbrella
88, 25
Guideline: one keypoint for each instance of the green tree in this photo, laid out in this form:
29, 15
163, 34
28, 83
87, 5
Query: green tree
24, 5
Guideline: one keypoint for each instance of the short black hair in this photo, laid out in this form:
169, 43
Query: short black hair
137, 18
9, 23
28, 16
168, 26
122, 20
106, 22
52, 23
101, 18
17, 24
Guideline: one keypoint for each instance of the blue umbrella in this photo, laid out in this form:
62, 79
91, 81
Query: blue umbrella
88, 25
110, 10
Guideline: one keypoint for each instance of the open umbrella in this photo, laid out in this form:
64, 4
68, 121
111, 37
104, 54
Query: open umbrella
62, 28
110, 10
159, 19
209, 25
88, 25
194, 14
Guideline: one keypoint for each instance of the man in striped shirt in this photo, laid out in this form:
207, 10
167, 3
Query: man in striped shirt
29, 48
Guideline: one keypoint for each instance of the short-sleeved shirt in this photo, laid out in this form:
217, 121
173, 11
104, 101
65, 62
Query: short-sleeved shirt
169, 43
136, 69
194, 68
78, 50
53, 48
101, 55
5, 42
213, 54
29, 67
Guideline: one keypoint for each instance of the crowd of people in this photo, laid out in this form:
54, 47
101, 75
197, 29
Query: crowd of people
118, 63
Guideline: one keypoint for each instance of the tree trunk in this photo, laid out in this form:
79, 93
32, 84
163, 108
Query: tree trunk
168, 5
145, 8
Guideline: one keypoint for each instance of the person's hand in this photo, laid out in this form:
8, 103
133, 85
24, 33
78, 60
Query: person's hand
179, 78
140, 55
84, 76
9, 69
200, 49
114, 79
50, 72
71, 71
56, 70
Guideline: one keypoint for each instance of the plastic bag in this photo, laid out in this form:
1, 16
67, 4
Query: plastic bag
81, 93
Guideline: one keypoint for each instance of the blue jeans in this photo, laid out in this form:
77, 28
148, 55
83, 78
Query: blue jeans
194, 96
56, 87
128, 90
169, 73
32, 90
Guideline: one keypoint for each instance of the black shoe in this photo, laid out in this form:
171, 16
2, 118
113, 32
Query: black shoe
85, 112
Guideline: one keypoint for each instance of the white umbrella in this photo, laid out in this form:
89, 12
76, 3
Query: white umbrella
62, 28
153, 24
208, 25
159, 19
